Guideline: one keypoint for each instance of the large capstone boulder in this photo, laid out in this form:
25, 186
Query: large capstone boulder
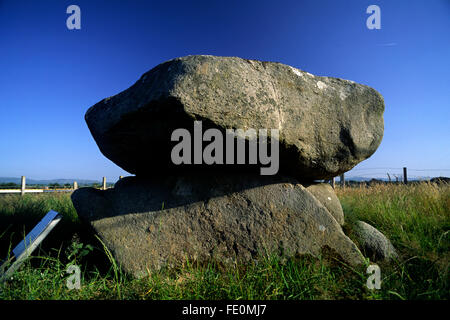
150, 223
326, 125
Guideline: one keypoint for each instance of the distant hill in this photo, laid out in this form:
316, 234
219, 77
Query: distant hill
47, 182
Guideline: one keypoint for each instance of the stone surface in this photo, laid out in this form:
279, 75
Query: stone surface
157, 222
325, 194
374, 243
327, 125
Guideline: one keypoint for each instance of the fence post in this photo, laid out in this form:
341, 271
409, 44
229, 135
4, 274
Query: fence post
342, 180
333, 184
405, 176
104, 183
75, 185
23, 184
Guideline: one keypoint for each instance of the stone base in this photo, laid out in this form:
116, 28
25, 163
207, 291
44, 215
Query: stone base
151, 223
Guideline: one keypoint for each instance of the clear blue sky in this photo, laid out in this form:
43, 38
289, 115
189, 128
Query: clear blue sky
50, 76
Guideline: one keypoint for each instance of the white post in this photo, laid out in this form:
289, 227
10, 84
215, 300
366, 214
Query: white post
22, 189
75, 185
104, 183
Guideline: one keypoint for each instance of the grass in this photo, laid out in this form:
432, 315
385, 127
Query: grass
414, 217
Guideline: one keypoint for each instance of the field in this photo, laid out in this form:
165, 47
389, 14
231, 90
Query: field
416, 218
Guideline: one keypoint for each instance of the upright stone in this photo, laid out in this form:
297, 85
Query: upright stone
165, 221
324, 192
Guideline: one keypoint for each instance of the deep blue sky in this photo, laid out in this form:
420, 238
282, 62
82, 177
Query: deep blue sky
50, 76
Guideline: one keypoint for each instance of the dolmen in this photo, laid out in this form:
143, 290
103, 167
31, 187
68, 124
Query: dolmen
228, 158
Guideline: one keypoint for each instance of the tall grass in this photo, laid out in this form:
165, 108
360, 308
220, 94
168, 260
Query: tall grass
18, 215
414, 217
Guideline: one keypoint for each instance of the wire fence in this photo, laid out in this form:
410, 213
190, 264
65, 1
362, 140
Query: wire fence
46, 189
396, 174
389, 174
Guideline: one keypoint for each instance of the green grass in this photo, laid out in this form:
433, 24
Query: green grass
414, 217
